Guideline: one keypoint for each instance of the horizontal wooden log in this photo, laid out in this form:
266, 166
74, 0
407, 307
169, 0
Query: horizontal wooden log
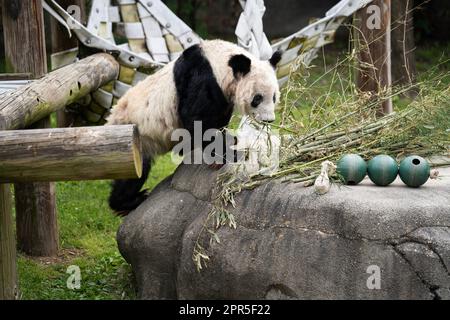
85, 153
14, 76
30, 103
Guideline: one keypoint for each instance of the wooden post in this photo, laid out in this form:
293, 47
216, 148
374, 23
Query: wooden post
60, 43
8, 263
372, 34
63, 154
60, 37
8, 267
23, 26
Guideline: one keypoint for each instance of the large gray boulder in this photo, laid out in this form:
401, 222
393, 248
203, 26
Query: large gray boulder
359, 242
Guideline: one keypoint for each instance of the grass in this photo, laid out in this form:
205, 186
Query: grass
88, 229
87, 237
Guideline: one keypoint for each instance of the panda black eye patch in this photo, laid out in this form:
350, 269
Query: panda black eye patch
274, 98
257, 99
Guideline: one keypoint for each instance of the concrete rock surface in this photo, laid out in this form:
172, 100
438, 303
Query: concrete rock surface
358, 242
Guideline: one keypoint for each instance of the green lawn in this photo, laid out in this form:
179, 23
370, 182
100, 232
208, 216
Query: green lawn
88, 229
87, 235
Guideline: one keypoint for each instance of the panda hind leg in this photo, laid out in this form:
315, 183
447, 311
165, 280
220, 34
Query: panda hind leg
126, 195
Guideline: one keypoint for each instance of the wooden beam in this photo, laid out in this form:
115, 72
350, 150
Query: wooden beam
372, 34
36, 214
36, 219
59, 88
25, 52
23, 28
59, 35
85, 153
8, 267
14, 76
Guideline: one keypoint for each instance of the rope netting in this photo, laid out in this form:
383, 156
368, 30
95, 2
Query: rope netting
146, 35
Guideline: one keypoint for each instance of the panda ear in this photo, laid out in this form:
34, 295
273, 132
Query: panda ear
276, 58
240, 64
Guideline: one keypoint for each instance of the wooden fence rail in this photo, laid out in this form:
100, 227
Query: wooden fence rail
63, 154
28, 104
35, 101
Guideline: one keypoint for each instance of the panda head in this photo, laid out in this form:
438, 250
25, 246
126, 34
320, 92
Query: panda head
257, 90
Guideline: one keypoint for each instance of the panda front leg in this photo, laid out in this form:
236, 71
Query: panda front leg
126, 195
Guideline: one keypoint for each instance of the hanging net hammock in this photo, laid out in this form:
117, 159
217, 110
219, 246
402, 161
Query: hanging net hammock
146, 35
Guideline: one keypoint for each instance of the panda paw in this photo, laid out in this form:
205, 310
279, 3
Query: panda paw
216, 166
132, 204
122, 213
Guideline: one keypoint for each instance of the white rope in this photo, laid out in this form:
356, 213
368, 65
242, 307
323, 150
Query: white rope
249, 30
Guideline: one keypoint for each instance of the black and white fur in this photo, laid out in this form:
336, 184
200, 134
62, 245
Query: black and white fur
206, 83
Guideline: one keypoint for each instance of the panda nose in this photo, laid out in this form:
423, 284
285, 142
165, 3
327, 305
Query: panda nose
269, 121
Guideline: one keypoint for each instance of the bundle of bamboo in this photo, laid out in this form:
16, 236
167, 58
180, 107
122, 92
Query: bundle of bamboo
350, 124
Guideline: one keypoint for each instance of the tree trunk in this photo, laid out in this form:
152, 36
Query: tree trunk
105, 152
373, 43
403, 57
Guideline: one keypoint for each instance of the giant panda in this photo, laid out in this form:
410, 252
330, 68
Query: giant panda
206, 83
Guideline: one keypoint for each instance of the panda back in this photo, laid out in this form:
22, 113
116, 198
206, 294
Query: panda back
200, 97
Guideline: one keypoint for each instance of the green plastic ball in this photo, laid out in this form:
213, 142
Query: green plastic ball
382, 170
352, 168
414, 171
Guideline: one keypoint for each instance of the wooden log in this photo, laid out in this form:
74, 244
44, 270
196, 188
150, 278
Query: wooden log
37, 220
8, 267
84, 153
14, 76
59, 88
372, 33
36, 214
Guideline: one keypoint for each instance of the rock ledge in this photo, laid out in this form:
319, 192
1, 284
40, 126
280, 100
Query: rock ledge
291, 243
